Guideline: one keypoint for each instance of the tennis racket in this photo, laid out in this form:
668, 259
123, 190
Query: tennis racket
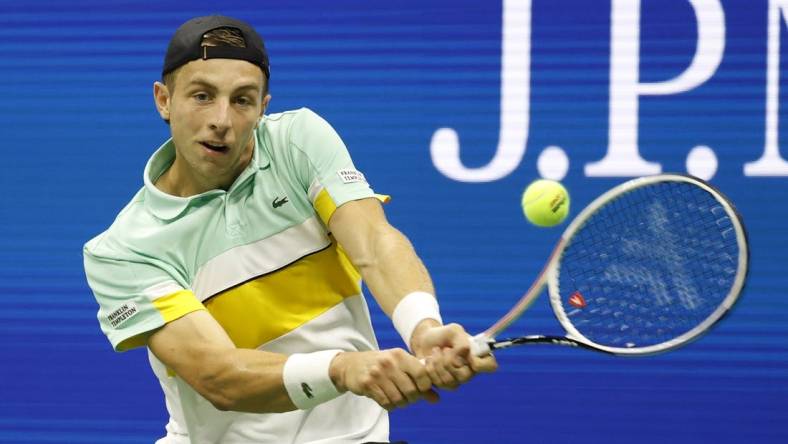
645, 268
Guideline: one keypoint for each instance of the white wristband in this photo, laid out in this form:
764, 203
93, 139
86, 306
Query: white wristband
306, 378
412, 309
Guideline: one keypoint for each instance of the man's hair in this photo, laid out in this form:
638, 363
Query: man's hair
216, 37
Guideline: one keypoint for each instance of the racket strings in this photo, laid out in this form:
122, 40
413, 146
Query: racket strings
648, 266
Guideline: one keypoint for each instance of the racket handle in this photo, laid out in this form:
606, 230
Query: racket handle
480, 345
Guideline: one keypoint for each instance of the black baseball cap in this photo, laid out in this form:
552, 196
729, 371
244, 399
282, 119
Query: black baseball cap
186, 44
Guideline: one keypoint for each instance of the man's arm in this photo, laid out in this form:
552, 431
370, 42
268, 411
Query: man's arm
391, 269
383, 255
199, 351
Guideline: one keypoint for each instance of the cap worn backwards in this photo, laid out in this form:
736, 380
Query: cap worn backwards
186, 45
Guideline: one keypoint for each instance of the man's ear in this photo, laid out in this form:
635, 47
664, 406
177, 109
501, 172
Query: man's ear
266, 101
161, 97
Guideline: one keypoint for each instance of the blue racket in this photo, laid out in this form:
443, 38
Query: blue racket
645, 268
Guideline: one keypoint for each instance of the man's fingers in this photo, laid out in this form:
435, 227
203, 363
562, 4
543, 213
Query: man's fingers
448, 369
379, 396
406, 387
417, 371
402, 377
484, 364
453, 335
395, 398
461, 374
412, 379
438, 370
449, 360
456, 363
435, 379
423, 381
395, 378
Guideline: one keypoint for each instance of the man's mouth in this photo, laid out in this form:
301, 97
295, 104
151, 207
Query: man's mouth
215, 147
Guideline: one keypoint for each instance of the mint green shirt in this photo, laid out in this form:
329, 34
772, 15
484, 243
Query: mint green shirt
158, 242
259, 258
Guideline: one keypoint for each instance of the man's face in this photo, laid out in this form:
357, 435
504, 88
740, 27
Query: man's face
213, 110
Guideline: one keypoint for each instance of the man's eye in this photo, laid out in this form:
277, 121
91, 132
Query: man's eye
243, 101
201, 97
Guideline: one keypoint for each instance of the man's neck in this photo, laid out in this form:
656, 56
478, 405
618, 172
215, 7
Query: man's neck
179, 180
174, 182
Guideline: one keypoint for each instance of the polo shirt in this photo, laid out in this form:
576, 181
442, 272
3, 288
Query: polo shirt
260, 259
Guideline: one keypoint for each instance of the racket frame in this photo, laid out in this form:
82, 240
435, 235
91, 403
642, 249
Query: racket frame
485, 342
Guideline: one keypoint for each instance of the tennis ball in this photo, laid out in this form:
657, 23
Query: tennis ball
545, 203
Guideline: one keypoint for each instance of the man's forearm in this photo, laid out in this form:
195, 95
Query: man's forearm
393, 269
246, 381
397, 272
199, 351
388, 263
403, 288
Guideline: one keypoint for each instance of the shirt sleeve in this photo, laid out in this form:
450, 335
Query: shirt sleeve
324, 165
135, 298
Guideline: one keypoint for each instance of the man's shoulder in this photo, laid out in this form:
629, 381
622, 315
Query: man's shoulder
290, 115
280, 134
284, 121
133, 219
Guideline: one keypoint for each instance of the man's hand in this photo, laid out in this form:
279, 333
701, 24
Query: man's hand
392, 378
447, 353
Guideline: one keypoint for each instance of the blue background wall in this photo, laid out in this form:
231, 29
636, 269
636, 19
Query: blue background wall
78, 124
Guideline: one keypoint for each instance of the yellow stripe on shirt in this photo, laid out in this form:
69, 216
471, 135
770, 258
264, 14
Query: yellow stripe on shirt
272, 305
170, 307
175, 305
325, 206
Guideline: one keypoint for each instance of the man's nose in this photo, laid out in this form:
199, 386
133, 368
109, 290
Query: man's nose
220, 115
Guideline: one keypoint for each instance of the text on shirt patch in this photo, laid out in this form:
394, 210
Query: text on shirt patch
123, 313
351, 176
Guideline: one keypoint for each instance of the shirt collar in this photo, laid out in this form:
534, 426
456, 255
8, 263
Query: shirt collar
166, 206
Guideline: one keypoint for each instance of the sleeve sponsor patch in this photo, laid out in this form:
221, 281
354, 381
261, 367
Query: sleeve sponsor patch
351, 176
122, 314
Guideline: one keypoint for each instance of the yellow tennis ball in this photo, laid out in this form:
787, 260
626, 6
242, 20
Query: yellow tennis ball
545, 203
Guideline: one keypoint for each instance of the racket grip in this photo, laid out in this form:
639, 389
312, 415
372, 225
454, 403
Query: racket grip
480, 345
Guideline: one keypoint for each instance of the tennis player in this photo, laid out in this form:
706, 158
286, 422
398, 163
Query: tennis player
238, 265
